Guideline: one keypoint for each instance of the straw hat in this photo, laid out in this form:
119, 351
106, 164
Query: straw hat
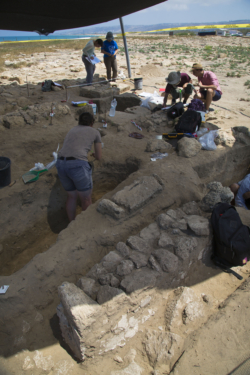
109, 35
173, 78
196, 66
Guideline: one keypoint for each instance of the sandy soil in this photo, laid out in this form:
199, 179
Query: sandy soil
33, 215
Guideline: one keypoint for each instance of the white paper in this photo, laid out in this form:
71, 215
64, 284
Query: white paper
3, 289
93, 61
57, 84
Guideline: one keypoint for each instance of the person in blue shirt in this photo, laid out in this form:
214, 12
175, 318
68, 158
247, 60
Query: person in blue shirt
109, 49
241, 191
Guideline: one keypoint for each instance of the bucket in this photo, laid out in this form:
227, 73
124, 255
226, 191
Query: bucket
138, 83
4, 171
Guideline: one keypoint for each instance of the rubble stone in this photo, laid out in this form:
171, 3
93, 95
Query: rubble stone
138, 244
139, 259
123, 249
167, 260
125, 268
127, 100
188, 147
89, 286
106, 293
184, 247
164, 221
139, 279
199, 225
107, 207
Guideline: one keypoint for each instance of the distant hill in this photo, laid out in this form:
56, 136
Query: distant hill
134, 28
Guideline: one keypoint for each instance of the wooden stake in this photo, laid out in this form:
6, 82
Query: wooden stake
27, 86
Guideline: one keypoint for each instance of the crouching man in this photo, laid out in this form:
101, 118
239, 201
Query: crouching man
209, 85
179, 85
241, 191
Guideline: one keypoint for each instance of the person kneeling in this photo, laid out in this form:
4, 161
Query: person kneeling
74, 170
209, 85
178, 80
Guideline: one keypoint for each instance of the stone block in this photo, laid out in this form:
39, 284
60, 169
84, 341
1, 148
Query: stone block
184, 246
106, 293
123, 249
151, 233
125, 268
139, 259
188, 147
107, 207
111, 261
199, 225
167, 260
176, 214
138, 244
164, 221
143, 278
138, 193
163, 350
158, 145
99, 91
180, 224
191, 208
127, 100
166, 241
96, 271
152, 262
89, 286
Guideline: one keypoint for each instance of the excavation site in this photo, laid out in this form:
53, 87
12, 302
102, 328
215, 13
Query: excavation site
129, 286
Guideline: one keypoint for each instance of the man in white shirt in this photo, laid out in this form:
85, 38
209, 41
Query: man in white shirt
88, 52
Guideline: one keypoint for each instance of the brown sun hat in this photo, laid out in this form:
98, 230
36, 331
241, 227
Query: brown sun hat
196, 66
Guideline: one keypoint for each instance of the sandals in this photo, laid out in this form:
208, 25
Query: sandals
136, 135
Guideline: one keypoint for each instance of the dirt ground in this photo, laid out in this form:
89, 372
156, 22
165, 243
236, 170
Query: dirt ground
33, 215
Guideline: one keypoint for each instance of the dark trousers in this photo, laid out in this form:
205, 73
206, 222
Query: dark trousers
111, 63
90, 69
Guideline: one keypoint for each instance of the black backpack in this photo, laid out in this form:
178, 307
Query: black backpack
46, 85
231, 238
176, 110
189, 122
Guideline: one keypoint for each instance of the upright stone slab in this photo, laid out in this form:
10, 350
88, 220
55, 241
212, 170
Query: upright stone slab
99, 91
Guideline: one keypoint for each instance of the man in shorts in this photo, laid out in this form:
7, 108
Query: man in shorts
74, 170
178, 80
209, 85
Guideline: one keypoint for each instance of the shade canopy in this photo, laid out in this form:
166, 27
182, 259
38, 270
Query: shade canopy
47, 16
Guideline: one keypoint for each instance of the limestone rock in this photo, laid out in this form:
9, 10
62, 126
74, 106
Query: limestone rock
139, 259
176, 214
99, 91
164, 221
184, 246
167, 260
107, 207
127, 100
139, 279
225, 138
180, 224
191, 208
158, 145
154, 264
96, 271
125, 268
89, 286
137, 194
193, 311
166, 241
123, 249
150, 233
111, 261
163, 349
217, 194
106, 293
199, 225
83, 109
188, 147
18, 79
138, 244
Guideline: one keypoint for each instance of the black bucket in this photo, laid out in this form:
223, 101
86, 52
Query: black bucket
138, 83
5, 176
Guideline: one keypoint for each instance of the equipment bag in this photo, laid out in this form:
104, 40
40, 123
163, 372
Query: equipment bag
189, 122
176, 110
196, 105
46, 85
231, 237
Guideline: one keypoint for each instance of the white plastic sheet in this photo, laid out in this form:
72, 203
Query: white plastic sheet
207, 140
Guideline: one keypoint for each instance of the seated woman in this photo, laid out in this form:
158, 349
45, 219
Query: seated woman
74, 170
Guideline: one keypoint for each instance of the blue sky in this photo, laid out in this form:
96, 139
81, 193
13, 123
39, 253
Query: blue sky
175, 11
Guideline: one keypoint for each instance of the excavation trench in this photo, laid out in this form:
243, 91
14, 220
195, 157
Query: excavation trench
19, 249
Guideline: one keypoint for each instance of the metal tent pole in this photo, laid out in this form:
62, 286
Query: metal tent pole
125, 47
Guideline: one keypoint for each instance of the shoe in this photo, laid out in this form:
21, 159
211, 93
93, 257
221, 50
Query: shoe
207, 112
189, 89
173, 102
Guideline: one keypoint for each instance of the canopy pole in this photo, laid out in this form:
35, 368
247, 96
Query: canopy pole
125, 47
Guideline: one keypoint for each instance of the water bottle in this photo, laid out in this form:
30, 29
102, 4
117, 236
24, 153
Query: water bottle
112, 108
